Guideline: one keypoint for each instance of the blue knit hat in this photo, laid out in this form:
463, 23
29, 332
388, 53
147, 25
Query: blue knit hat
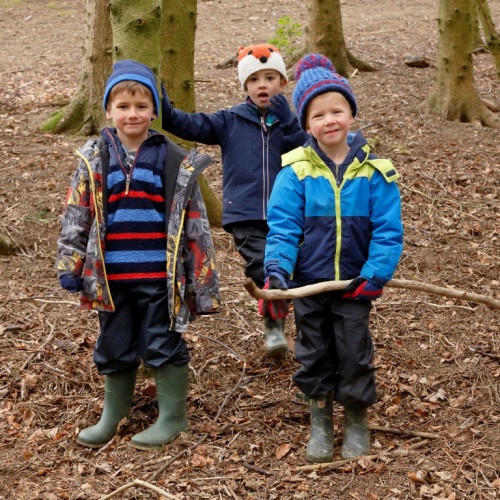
315, 74
137, 72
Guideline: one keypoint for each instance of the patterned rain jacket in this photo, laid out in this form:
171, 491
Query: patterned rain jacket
192, 278
327, 225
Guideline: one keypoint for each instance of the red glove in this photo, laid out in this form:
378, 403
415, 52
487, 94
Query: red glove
277, 309
361, 288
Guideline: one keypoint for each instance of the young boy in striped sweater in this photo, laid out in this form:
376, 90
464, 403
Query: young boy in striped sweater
136, 244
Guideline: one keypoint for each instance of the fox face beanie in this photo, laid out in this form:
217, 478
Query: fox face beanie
256, 57
315, 74
137, 72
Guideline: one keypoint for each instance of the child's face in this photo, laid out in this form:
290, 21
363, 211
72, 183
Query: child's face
262, 85
131, 115
328, 120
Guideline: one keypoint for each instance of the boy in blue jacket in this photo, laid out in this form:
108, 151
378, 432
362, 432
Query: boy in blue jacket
252, 136
136, 243
334, 214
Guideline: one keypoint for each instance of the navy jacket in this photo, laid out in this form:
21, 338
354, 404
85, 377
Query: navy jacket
251, 147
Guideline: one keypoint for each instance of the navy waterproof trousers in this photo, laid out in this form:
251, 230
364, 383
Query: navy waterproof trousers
334, 348
138, 330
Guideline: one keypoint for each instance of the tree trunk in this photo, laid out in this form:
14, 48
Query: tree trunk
84, 114
136, 31
136, 34
490, 33
453, 95
178, 31
326, 36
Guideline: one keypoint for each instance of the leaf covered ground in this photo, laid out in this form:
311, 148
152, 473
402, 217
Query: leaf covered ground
438, 359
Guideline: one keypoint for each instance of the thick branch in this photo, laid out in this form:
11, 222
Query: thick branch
328, 286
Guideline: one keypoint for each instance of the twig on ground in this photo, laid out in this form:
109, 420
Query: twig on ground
218, 342
44, 343
339, 463
401, 432
254, 468
138, 482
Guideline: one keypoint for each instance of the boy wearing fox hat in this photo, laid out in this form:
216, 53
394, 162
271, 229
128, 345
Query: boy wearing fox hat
252, 136
334, 214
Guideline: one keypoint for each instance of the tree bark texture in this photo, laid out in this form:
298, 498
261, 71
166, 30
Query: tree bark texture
136, 35
453, 95
178, 30
490, 33
326, 36
85, 115
136, 31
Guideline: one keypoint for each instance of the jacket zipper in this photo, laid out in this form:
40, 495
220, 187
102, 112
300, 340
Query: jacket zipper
126, 173
265, 166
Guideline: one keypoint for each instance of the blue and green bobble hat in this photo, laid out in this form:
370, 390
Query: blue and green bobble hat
137, 72
315, 75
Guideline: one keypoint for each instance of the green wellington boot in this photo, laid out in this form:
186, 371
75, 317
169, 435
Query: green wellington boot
118, 394
171, 390
356, 440
320, 445
276, 343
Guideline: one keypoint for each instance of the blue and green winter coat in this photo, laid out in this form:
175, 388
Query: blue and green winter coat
335, 225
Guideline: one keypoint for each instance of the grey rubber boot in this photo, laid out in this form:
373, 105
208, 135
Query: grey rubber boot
118, 394
276, 343
171, 390
356, 440
320, 445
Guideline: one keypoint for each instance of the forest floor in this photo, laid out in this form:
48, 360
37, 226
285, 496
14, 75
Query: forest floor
437, 359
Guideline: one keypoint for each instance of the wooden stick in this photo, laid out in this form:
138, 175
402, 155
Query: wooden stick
138, 482
402, 432
328, 286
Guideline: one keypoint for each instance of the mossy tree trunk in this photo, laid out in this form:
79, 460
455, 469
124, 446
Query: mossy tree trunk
490, 33
129, 29
178, 31
453, 95
84, 114
136, 34
326, 36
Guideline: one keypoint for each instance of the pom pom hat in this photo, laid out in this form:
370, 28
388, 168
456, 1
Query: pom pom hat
316, 75
256, 57
137, 72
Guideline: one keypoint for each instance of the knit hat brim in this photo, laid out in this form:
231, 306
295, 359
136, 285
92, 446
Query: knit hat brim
128, 70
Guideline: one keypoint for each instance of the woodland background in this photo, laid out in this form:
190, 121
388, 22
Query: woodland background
437, 359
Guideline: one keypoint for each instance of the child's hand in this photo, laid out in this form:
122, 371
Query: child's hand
277, 279
280, 107
71, 282
361, 288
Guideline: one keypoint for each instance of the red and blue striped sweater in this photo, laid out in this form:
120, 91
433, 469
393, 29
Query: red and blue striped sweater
136, 238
